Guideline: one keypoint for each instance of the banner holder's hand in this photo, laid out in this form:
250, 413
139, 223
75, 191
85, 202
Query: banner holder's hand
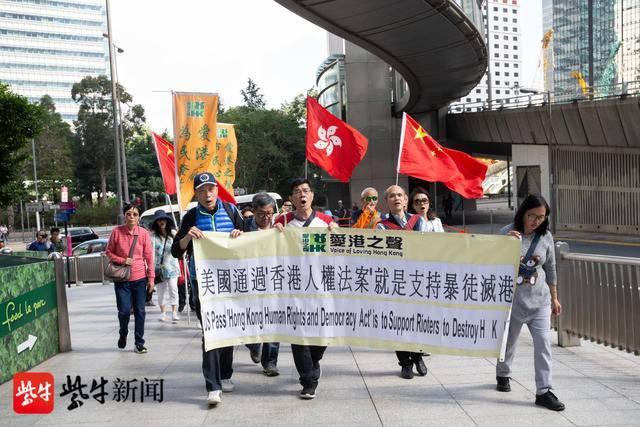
235, 233
278, 227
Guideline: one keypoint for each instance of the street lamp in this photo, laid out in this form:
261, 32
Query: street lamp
115, 104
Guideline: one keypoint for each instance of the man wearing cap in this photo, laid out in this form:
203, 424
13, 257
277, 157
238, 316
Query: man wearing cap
210, 214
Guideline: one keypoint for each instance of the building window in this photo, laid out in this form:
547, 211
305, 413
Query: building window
505, 28
497, 73
495, 9
498, 92
477, 90
506, 46
497, 82
506, 74
478, 100
506, 65
495, 27
496, 45
515, 30
515, 74
515, 38
505, 19
515, 65
495, 18
506, 55
515, 56
515, 21
495, 36
504, 9
508, 92
515, 47
497, 55
497, 64
468, 99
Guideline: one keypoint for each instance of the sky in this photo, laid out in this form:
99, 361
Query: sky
216, 45
212, 46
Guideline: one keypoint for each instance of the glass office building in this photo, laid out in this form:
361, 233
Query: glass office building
596, 47
48, 45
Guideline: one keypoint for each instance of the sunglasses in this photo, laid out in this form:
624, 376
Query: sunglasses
371, 198
420, 201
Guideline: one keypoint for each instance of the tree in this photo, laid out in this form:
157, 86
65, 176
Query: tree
252, 97
94, 148
271, 144
53, 147
142, 165
297, 108
19, 123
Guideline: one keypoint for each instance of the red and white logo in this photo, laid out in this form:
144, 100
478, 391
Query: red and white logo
328, 139
33, 393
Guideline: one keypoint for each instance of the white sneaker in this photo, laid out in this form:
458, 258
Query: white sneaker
227, 386
175, 317
162, 318
214, 397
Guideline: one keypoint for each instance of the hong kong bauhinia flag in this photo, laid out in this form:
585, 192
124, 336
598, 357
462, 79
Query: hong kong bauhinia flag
422, 157
166, 160
332, 144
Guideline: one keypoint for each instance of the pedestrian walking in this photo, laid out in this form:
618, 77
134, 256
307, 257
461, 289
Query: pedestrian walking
41, 244
210, 214
129, 244
535, 298
398, 219
306, 357
166, 267
264, 208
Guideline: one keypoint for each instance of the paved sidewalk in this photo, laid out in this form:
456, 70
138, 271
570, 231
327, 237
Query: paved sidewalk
599, 385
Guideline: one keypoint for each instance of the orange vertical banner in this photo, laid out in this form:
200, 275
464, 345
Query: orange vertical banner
194, 127
226, 152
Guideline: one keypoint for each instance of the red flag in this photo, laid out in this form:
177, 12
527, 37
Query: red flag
422, 157
224, 194
332, 144
167, 162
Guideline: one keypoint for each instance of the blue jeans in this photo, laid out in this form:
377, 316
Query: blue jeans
269, 358
131, 294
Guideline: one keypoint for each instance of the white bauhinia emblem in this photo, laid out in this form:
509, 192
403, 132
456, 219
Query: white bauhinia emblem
328, 139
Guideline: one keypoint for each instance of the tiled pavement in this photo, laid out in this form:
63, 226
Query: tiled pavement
599, 385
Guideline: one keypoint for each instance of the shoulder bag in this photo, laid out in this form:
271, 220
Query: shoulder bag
117, 272
159, 276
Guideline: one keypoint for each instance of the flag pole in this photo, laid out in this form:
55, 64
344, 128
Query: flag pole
404, 122
306, 168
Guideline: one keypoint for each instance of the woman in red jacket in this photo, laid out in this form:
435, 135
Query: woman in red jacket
133, 292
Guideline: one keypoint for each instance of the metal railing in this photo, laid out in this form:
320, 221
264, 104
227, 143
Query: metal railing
542, 98
600, 296
87, 269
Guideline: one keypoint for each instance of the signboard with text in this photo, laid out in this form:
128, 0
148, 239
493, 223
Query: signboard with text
429, 292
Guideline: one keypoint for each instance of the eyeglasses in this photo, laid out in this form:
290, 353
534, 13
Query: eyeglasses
303, 191
287, 205
371, 198
264, 214
420, 201
534, 217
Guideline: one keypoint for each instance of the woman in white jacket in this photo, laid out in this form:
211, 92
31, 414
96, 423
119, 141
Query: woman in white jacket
420, 203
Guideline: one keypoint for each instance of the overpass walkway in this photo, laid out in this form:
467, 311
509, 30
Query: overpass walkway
599, 385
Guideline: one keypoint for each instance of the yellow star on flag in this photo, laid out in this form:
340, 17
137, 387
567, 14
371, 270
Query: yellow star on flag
169, 151
433, 153
420, 133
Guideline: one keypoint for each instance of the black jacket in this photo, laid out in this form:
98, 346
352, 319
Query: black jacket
189, 220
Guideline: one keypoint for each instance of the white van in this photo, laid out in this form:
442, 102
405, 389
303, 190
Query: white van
241, 202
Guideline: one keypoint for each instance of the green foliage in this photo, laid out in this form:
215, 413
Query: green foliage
53, 146
19, 122
94, 215
297, 108
142, 165
271, 148
252, 97
94, 151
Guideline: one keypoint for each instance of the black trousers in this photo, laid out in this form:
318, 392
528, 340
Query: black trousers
307, 359
406, 358
217, 364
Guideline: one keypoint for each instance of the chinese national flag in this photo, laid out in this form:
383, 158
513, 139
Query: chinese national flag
332, 144
422, 157
167, 162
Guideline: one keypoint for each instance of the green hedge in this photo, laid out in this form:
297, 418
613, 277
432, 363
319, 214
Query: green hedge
95, 215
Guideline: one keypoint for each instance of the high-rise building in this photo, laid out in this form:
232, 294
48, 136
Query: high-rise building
48, 45
502, 21
596, 47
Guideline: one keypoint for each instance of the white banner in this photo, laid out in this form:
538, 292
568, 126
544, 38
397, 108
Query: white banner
398, 302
